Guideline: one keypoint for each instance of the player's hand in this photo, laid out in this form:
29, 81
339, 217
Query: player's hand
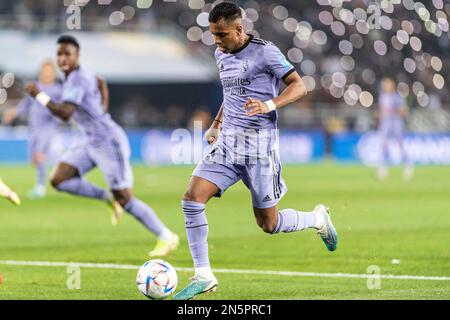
255, 106
32, 89
212, 134
9, 116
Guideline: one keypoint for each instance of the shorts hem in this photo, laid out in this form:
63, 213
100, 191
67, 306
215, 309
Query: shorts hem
221, 190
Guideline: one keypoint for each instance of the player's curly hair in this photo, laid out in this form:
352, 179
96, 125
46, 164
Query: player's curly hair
68, 39
228, 11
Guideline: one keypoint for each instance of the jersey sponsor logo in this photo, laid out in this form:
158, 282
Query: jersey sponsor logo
235, 82
235, 86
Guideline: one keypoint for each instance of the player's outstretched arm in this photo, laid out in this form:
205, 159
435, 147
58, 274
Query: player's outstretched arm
104, 92
294, 91
21, 111
61, 110
9, 116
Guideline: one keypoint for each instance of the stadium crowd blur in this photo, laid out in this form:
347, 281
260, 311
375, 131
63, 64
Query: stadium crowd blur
342, 49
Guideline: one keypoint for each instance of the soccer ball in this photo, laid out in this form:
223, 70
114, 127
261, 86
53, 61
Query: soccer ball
157, 279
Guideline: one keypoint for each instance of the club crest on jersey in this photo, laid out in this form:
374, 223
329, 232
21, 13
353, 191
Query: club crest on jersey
244, 65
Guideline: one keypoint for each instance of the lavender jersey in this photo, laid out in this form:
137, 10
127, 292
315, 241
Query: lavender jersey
390, 105
255, 71
81, 89
247, 147
107, 145
391, 120
40, 117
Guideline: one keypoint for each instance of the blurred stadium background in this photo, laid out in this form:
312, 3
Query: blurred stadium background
157, 57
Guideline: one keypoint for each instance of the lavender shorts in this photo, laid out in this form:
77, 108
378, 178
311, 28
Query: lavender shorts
261, 176
112, 157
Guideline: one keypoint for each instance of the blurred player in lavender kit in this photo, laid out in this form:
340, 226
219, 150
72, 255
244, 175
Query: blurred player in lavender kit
43, 126
106, 146
391, 116
250, 71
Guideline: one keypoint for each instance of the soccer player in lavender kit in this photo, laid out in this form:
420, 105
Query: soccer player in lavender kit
43, 126
106, 146
391, 114
245, 142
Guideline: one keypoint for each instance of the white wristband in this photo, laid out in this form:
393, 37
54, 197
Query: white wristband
272, 106
43, 98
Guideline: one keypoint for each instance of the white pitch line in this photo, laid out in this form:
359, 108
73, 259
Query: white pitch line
237, 271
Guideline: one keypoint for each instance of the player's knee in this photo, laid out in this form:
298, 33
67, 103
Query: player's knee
122, 197
191, 196
268, 227
55, 181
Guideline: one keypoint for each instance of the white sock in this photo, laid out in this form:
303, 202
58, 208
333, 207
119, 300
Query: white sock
108, 196
320, 221
166, 234
40, 188
204, 272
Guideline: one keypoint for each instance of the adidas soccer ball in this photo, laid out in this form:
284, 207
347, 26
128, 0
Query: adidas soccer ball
157, 279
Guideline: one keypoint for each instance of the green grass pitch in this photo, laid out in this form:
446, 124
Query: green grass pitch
377, 222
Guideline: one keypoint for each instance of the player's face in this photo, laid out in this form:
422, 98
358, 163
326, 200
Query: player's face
227, 36
67, 57
47, 74
388, 85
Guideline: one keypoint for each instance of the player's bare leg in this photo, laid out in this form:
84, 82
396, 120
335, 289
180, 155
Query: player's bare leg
194, 199
66, 178
7, 193
167, 240
63, 172
272, 221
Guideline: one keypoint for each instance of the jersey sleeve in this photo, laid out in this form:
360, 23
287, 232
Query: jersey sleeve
276, 62
73, 92
56, 93
24, 107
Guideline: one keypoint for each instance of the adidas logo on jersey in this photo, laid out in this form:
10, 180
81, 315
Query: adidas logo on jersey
267, 198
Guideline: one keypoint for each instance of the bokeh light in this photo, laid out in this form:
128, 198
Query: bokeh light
280, 12
366, 99
403, 89
144, 4
380, 47
3, 96
310, 83
195, 33
438, 81
116, 18
196, 4
295, 55
8, 80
